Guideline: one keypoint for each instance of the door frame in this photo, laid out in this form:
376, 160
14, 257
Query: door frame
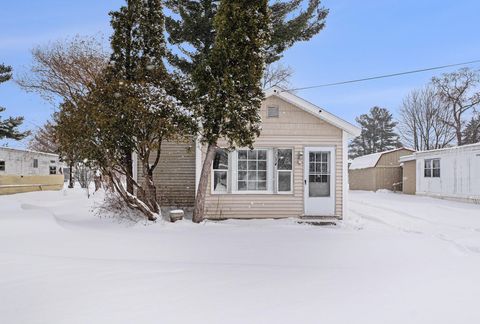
331, 201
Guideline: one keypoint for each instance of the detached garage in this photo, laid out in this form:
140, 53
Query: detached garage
378, 171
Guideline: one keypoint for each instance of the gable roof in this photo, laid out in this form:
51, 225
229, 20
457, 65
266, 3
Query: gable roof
313, 110
371, 160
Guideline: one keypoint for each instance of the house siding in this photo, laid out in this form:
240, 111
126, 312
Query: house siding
175, 174
459, 173
295, 129
409, 177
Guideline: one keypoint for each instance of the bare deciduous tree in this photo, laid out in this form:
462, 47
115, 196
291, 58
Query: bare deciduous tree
44, 139
458, 90
277, 74
64, 71
424, 120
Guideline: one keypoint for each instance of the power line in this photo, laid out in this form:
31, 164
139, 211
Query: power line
383, 76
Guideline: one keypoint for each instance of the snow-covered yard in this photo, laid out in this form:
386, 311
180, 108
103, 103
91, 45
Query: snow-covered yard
397, 259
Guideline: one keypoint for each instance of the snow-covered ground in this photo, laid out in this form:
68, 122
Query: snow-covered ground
396, 259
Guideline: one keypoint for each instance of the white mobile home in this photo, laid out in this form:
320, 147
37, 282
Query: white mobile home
452, 173
24, 170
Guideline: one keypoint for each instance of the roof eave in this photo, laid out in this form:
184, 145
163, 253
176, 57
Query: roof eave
314, 110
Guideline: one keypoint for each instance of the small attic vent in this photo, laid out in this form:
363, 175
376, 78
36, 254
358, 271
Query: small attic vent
273, 112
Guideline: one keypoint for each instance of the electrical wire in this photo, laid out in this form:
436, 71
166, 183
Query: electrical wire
384, 76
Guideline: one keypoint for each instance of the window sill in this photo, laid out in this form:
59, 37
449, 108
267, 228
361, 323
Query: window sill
240, 193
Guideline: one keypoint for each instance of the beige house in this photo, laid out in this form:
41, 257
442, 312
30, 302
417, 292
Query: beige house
298, 167
378, 171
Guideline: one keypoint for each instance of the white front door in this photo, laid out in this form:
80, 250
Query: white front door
319, 181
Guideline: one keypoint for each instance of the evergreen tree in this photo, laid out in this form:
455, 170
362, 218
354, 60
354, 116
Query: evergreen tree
377, 135
193, 24
138, 46
229, 83
9, 126
471, 134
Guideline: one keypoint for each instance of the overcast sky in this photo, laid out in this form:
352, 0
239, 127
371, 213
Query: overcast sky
362, 39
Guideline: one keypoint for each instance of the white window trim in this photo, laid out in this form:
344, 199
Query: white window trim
432, 168
234, 172
291, 173
272, 175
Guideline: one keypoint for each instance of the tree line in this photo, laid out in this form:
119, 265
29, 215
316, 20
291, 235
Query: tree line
443, 113
175, 70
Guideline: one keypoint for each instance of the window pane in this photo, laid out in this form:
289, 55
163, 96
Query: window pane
284, 159
436, 173
428, 164
252, 185
252, 165
428, 173
242, 185
262, 185
262, 165
252, 175
252, 155
262, 155
53, 170
220, 181
312, 157
262, 175
2, 165
242, 155
284, 181
312, 167
325, 157
436, 164
242, 175
220, 162
242, 165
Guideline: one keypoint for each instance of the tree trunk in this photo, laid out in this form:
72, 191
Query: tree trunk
129, 168
199, 211
70, 176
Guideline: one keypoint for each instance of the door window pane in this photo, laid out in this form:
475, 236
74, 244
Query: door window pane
220, 181
319, 179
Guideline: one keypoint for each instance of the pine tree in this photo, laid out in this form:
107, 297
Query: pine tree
378, 133
193, 24
231, 81
9, 126
471, 134
138, 46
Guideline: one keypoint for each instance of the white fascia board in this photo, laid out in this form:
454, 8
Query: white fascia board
318, 112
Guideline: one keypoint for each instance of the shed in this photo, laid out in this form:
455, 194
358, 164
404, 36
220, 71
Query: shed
409, 175
376, 171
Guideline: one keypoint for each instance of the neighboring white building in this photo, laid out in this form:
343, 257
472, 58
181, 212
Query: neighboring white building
28, 163
448, 173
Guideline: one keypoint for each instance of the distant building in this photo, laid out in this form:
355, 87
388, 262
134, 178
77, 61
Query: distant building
24, 170
377, 171
451, 173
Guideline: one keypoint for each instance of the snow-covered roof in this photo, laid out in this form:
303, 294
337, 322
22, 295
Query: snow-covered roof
454, 148
371, 160
314, 110
26, 151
